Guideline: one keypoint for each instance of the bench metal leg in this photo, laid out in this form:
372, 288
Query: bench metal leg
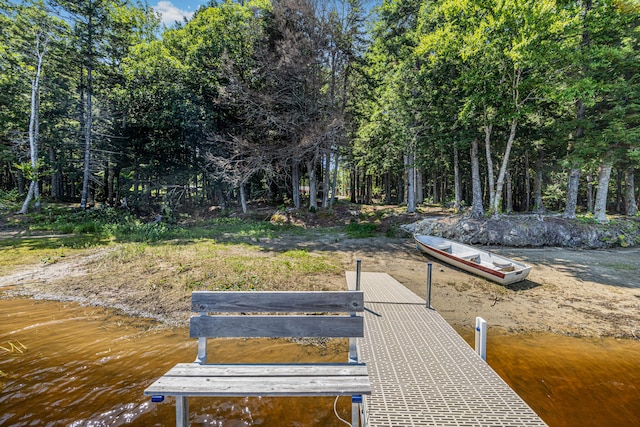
182, 411
355, 415
357, 411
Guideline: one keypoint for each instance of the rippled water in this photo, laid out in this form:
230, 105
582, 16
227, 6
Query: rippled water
84, 366
570, 381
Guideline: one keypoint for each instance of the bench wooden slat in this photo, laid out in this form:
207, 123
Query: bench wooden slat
267, 370
266, 302
277, 326
338, 385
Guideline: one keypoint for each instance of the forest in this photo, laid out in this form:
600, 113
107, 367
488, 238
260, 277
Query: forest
487, 106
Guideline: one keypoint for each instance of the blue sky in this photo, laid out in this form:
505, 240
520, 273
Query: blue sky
175, 10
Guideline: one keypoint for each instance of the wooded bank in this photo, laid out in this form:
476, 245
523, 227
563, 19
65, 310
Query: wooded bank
500, 106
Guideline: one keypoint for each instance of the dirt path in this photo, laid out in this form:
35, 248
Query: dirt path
585, 293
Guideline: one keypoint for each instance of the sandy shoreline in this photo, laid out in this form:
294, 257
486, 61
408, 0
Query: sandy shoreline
570, 292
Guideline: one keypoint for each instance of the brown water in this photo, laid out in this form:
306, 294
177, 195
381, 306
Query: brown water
84, 366
570, 381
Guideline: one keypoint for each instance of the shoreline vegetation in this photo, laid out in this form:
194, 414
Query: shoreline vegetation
149, 268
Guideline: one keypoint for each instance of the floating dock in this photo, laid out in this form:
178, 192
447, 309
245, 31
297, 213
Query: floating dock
422, 372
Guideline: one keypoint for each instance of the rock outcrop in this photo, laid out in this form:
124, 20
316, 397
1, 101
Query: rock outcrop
532, 231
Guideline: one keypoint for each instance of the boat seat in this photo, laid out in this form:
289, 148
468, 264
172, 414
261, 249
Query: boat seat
444, 247
471, 257
504, 265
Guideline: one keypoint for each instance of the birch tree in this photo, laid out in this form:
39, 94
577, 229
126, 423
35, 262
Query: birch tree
38, 30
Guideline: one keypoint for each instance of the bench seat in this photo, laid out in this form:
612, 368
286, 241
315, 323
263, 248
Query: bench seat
330, 379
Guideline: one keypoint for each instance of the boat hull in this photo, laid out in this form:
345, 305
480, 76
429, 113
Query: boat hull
496, 268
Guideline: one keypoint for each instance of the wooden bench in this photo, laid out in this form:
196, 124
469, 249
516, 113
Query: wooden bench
286, 379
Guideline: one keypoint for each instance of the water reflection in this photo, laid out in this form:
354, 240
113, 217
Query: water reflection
84, 366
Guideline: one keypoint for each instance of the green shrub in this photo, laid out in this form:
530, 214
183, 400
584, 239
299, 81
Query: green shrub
358, 230
9, 197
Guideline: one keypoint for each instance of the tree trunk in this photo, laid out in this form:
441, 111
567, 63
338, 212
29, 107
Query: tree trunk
538, 204
369, 189
631, 208
477, 211
572, 194
497, 203
295, 184
509, 198
88, 116
20, 182
34, 124
28, 199
409, 172
110, 179
619, 196
87, 145
527, 184
386, 179
243, 198
56, 178
353, 183
600, 207
487, 147
419, 186
334, 180
327, 179
456, 180
589, 193
313, 185
434, 185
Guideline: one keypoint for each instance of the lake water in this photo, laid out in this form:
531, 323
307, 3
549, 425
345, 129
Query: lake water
63, 364
86, 366
570, 381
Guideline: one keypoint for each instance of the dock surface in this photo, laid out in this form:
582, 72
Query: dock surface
422, 372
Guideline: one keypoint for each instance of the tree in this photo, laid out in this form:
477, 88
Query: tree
95, 23
38, 31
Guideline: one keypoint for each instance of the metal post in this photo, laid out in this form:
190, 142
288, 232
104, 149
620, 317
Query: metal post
429, 269
182, 411
355, 400
355, 410
481, 338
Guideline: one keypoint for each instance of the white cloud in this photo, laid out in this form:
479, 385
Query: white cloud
170, 13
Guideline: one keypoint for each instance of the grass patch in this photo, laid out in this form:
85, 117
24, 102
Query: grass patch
214, 254
360, 230
208, 265
123, 226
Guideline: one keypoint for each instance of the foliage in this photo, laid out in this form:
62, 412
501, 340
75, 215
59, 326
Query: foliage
252, 99
360, 230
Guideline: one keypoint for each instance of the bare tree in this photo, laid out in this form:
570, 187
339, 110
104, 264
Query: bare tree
236, 168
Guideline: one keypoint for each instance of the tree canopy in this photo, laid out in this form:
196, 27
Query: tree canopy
500, 105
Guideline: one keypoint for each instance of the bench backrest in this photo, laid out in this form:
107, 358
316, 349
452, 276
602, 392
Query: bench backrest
314, 325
